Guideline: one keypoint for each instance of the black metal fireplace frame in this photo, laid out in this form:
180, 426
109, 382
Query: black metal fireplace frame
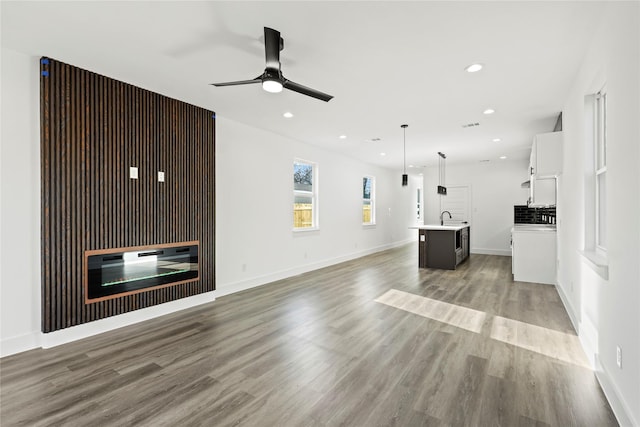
117, 272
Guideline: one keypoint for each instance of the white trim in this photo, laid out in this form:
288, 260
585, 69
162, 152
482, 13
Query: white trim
621, 408
372, 201
254, 282
20, 343
575, 321
597, 262
313, 194
305, 230
85, 330
74, 333
588, 335
488, 251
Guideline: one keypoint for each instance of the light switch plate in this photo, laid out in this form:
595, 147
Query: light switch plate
160, 176
133, 172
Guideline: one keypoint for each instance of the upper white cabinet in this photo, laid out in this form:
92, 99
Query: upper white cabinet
545, 164
546, 155
542, 192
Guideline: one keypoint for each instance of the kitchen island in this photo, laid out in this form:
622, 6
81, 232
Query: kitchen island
442, 246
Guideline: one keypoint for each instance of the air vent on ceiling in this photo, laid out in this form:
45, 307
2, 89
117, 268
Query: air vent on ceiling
470, 125
373, 140
485, 161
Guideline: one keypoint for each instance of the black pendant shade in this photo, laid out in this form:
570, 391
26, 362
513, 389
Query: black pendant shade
405, 177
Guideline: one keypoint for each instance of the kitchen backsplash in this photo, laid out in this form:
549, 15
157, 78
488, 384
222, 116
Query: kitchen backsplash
522, 214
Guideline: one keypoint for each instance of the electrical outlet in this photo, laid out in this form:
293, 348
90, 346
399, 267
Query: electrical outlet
619, 357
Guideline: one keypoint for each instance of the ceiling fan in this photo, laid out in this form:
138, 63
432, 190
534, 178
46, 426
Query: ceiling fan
272, 79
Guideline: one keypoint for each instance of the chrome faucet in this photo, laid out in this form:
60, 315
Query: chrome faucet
441, 217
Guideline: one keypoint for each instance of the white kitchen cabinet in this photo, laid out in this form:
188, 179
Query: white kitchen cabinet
546, 155
542, 192
545, 164
534, 254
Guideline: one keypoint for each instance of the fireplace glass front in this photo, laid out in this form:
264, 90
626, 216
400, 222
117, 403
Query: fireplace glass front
131, 269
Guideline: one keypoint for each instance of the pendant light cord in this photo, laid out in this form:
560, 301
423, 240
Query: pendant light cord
405, 177
404, 148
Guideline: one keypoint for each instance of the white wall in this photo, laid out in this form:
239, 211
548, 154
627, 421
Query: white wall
607, 312
253, 198
20, 202
254, 238
495, 189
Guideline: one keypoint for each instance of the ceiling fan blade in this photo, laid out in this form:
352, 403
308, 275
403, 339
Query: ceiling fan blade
296, 87
272, 48
239, 82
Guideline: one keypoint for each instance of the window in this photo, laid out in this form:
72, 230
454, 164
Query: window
595, 184
600, 170
368, 200
305, 199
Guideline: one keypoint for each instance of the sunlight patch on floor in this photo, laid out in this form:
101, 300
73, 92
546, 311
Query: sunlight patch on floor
555, 344
461, 317
548, 342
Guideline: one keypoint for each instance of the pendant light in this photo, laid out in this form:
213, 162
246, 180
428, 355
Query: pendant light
442, 171
405, 177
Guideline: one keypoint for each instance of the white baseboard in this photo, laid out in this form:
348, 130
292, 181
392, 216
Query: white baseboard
487, 251
85, 330
620, 407
588, 335
566, 301
38, 339
41, 340
243, 285
19, 344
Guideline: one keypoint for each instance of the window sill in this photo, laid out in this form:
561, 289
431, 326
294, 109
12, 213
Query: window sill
305, 230
597, 262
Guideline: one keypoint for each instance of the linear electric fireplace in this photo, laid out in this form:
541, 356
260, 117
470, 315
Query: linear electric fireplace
111, 273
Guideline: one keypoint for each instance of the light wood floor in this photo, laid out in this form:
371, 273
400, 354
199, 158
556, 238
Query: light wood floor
375, 341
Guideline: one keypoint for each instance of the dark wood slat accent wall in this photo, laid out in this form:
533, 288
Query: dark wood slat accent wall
93, 129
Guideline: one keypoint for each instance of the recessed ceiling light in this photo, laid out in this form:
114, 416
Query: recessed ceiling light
288, 115
496, 140
503, 157
489, 111
473, 68
343, 137
410, 166
383, 154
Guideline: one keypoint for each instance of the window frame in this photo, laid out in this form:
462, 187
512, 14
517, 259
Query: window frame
313, 194
371, 199
595, 118
600, 170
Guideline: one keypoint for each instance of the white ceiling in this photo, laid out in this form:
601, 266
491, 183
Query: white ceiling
386, 63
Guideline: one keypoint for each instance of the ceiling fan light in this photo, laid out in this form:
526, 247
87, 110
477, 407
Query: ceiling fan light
273, 86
